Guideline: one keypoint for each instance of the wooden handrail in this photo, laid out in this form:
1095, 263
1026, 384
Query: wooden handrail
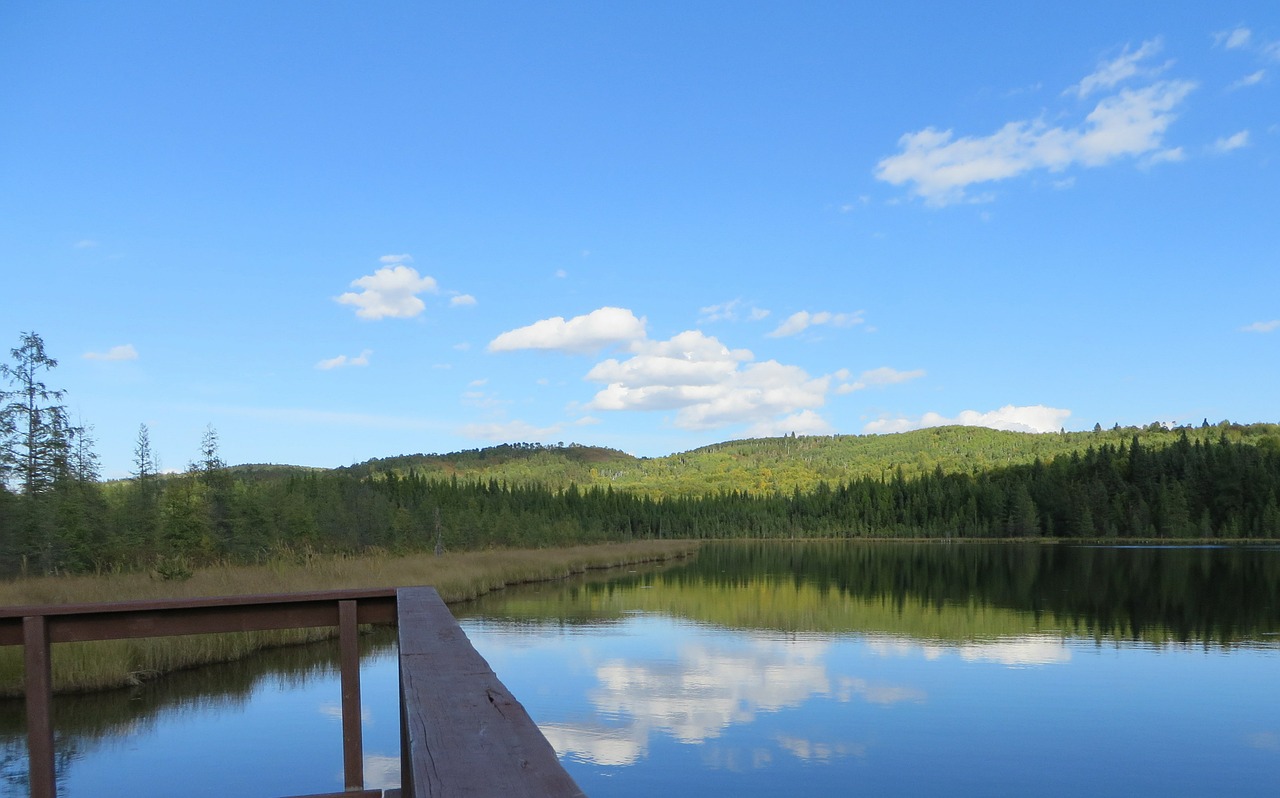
461, 731
459, 723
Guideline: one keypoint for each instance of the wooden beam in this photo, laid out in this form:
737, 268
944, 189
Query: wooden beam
465, 733
39, 690
352, 734
129, 619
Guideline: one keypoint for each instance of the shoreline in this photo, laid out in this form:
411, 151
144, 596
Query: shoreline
105, 665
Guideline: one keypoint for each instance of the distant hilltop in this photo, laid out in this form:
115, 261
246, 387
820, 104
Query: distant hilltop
786, 464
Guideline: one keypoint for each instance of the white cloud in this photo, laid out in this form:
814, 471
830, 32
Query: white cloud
878, 378
1171, 155
1249, 80
391, 260
561, 273
1112, 73
1262, 326
342, 361
520, 430
85, 243
688, 359
806, 422
389, 291
122, 352
1032, 418
484, 400
462, 300
729, 311
706, 383
801, 320
1130, 123
582, 334
1233, 39
1233, 142
1242, 39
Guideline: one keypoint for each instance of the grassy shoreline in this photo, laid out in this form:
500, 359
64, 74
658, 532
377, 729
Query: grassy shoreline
458, 577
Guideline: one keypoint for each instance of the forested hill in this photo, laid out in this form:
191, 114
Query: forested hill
514, 463
56, 514
767, 466
1221, 482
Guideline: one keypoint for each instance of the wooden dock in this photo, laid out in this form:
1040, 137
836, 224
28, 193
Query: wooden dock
462, 733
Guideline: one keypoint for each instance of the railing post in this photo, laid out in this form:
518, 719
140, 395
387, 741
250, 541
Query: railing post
352, 736
39, 689
406, 746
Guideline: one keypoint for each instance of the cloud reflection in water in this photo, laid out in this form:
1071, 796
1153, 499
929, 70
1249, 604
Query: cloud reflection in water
705, 689
1018, 651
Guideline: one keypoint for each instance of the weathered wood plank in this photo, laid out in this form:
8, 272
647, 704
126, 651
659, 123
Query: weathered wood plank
39, 689
73, 623
466, 734
352, 729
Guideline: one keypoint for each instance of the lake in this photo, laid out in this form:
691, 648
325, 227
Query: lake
763, 669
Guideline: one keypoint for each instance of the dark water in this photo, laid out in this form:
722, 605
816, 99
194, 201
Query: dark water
780, 669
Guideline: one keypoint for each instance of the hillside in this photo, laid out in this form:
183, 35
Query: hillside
513, 463
1208, 482
765, 466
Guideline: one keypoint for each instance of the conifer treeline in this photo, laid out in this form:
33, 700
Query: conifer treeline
56, 515
1188, 490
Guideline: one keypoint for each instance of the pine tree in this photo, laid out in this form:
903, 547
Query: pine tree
34, 419
35, 452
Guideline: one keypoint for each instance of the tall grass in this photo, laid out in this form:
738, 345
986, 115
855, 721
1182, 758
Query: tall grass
117, 663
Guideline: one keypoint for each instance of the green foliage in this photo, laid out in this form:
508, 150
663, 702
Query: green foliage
1185, 489
1151, 482
768, 466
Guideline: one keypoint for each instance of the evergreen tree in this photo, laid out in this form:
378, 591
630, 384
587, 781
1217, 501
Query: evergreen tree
139, 524
34, 419
35, 451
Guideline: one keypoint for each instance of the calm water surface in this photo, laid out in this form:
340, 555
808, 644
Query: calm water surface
781, 669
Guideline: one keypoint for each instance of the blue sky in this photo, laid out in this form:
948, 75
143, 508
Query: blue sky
340, 231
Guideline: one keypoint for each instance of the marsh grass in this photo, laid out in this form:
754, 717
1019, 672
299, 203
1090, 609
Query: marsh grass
117, 663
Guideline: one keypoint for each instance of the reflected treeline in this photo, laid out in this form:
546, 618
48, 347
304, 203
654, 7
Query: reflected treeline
84, 721
592, 598
1223, 594
936, 591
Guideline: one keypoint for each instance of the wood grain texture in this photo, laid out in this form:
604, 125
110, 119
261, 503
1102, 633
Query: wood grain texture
39, 697
466, 734
69, 623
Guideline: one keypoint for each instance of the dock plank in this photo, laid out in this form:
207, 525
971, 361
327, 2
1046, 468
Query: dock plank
466, 734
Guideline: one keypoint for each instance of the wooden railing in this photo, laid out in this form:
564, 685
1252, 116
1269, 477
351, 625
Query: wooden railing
461, 730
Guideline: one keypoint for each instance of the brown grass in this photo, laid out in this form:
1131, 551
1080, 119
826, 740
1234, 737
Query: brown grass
116, 663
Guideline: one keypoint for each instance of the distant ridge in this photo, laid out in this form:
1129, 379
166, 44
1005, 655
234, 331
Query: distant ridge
783, 465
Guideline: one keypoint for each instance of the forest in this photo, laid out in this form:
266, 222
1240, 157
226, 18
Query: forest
58, 516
